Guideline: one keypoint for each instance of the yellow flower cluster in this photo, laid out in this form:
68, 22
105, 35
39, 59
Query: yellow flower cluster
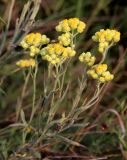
65, 39
56, 53
87, 58
68, 52
100, 73
33, 41
71, 24
26, 63
106, 38
34, 51
44, 39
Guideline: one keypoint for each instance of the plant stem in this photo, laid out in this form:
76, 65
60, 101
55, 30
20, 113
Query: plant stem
34, 92
19, 105
105, 53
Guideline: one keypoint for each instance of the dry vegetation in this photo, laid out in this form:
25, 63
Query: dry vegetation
54, 110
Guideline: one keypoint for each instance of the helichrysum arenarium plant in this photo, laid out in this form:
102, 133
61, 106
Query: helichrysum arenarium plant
45, 122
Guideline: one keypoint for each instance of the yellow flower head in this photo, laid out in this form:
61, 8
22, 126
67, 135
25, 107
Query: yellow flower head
100, 73
26, 63
34, 51
100, 68
33, 42
56, 53
68, 52
87, 58
29, 39
106, 38
44, 39
92, 73
81, 27
68, 25
34, 39
63, 26
73, 23
24, 44
107, 76
37, 39
65, 39
58, 48
52, 53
